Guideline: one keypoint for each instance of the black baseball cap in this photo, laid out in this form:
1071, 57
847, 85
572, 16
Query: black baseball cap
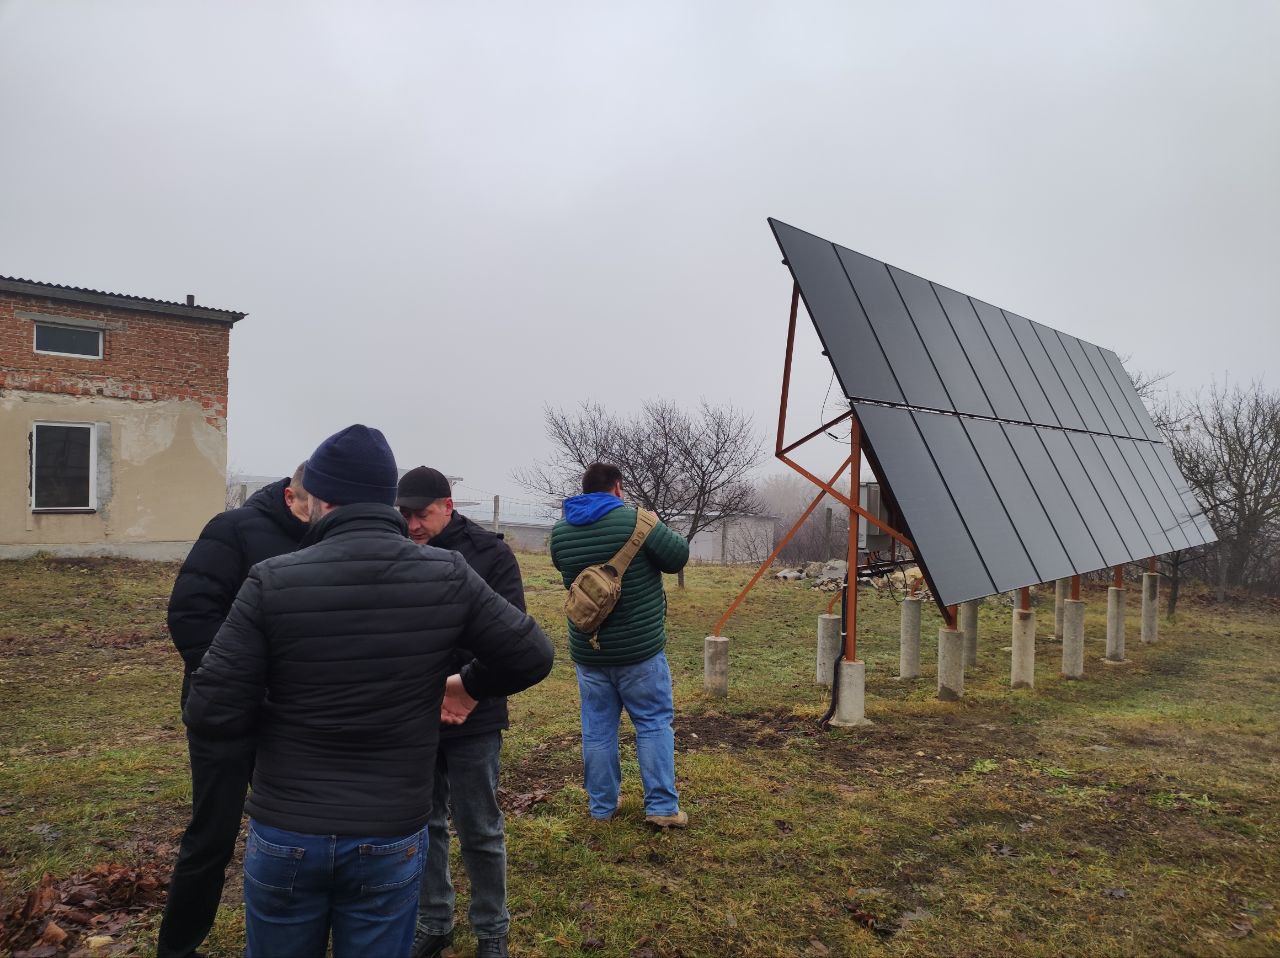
420, 487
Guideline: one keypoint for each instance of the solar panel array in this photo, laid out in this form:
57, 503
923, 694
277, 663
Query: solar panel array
1016, 454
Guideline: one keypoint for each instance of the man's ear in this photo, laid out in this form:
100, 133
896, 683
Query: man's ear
448, 505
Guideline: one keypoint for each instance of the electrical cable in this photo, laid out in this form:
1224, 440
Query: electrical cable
824, 723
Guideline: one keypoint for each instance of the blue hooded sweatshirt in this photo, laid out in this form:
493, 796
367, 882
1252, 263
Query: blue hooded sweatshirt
587, 508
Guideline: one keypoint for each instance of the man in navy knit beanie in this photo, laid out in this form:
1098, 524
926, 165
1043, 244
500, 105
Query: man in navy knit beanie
336, 661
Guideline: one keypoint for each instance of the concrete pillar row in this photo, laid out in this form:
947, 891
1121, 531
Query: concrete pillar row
1022, 672
1061, 589
950, 664
829, 649
1073, 639
1150, 606
851, 705
1115, 625
909, 639
715, 665
969, 629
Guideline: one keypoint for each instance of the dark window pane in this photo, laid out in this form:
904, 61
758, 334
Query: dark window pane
66, 339
62, 467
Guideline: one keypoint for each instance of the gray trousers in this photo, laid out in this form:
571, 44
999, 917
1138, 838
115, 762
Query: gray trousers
466, 789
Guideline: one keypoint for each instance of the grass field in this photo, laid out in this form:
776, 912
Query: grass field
1130, 813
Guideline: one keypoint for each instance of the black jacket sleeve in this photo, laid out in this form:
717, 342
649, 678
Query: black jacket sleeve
227, 690
205, 589
511, 652
504, 578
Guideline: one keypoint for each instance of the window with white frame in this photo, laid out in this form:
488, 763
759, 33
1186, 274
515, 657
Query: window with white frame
53, 339
64, 464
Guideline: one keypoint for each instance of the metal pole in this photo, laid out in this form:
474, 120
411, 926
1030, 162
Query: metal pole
1075, 588
495, 514
1024, 599
851, 566
1118, 577
786, 369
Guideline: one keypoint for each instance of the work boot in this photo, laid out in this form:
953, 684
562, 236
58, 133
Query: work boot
679, 820
426, 945
492, 947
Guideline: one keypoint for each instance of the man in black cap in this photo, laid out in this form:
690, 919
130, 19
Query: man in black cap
467, 761
337, 662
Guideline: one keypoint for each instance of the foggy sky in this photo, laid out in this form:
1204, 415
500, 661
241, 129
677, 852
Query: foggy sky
440, 217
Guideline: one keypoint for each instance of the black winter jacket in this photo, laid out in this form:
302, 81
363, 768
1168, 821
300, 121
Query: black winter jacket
229, 546
335, 658
493, 561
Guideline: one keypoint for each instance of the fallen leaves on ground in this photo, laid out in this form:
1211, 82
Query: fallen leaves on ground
94, 904
520, 803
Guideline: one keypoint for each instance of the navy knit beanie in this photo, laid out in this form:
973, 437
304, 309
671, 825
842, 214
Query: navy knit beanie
355, 465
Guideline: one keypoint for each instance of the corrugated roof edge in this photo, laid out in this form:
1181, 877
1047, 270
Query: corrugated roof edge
97, 297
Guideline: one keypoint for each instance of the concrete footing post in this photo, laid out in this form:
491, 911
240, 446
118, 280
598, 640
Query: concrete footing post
950, 664
829, 648
1073, 639
909, 639
715, 665
969, 629
851, 705
1115, 624
1022, 672
1150, 601
1061, 589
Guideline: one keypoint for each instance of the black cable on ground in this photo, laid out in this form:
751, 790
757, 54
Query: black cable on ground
824, 723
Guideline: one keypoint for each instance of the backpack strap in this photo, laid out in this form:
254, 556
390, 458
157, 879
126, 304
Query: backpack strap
645, 521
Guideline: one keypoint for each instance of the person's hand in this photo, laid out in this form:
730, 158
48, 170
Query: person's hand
457, 704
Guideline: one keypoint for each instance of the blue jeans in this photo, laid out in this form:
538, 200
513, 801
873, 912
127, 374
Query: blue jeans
297, 887
466, 787
644, 690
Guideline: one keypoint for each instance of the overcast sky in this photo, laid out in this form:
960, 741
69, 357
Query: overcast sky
442, 216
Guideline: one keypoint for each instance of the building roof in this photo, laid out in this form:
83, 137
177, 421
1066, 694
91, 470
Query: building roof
97, 297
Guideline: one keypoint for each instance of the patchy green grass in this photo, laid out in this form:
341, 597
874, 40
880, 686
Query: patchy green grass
1133, 812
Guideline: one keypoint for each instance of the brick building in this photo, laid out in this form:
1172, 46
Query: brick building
113, 421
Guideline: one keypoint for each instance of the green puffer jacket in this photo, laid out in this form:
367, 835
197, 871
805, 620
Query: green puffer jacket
636, 629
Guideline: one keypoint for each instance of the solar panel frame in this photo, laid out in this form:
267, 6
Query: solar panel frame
1102, 413
824, 287
1037, 357
1134, 494
994, 535
1031, 521
1014, 453
1130, 391
895, 329
992, 378
1010, 355
964, 391
1157, 499
955, 568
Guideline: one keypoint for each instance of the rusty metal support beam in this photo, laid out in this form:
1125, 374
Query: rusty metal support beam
774, 554
1024, 599
1117, 578
1075, 588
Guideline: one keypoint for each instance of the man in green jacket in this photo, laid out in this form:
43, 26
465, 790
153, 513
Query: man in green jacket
629, 668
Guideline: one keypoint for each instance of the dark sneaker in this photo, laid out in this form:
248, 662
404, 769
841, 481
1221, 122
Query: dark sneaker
492, 948
432, 946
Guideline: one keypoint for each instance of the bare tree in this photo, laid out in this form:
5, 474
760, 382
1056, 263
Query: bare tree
824, 534
1229, 450
691, 468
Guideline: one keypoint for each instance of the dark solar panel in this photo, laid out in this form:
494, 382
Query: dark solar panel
954, 566
1016, 453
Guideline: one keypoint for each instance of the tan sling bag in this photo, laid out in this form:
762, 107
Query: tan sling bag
598, 588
